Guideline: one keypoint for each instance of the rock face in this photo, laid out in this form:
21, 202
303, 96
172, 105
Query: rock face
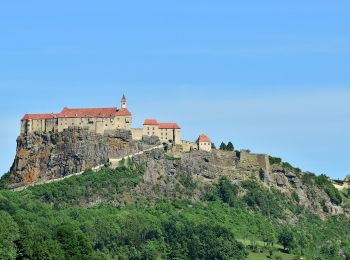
162, 171
43, 156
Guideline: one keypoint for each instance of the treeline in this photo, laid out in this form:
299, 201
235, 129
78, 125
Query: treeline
96, 216
226, 147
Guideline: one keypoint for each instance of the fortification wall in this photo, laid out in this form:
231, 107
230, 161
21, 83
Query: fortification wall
254, 161
137, 133
188, 146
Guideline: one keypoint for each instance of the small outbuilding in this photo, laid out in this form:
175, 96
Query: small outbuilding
204, 143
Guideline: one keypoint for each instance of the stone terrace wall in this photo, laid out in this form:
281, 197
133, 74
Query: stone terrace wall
254, 161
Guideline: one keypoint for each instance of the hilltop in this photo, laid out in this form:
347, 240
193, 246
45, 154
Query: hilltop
164, 203
85, 186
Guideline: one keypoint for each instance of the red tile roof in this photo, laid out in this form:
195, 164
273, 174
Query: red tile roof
94, 112
81, 112
151, 122
161, 125
169, 126
39, 116
203, 138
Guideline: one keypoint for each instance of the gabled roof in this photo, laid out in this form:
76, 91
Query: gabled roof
123, 98
151, 122
161, 125
39, 116
168, 126
94, 112
81, 112
203, 139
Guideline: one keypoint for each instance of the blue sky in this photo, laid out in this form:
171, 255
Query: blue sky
272, 76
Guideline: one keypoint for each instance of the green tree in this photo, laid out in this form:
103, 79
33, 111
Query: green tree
230, 147
227, 191
286, 239
38, 243
8, 235
223, 146
267, 234
330, 250
74, 243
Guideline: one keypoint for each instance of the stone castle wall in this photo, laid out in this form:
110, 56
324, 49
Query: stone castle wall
254, 161
137, 133
94, 124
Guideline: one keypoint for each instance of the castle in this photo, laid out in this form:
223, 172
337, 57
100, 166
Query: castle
99, 120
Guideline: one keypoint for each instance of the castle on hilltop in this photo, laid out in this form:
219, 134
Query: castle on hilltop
99, 120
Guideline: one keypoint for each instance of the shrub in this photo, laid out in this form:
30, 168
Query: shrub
275, 160
324, 183
171, 158
186, 179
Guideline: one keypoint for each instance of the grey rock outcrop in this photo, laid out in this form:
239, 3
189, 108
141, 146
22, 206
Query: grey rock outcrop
162, 171
44, 156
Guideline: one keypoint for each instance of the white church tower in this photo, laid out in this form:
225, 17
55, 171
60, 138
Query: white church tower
123, 102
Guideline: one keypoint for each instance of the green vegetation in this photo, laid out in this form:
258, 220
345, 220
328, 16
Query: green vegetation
4, 181
98, 216
227, 147
105, 185
275, 160
187, 181
325, 184
171, 158
285, 165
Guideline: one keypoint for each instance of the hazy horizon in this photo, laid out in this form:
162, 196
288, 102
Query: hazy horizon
271, 77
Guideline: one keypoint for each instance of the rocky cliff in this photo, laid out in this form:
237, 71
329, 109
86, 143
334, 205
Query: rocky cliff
164, 173
44, 156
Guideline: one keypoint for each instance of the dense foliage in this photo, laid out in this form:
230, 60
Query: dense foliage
324, 183
96, 216
227, 147
285, 165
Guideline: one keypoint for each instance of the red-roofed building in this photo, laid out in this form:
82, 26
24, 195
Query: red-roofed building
151, 122
204, 143
167, 132
95, 119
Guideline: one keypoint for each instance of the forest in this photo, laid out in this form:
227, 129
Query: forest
97, 216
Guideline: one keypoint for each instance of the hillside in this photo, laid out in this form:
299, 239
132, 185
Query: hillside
194, 206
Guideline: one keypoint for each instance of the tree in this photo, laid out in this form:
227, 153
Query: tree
330, 250
8, 234
74, 243
38, 243
227, 191
286, 239
267, 234
230, 147
213, 146
223, 146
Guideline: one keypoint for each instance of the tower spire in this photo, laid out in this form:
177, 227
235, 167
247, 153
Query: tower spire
123, 102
